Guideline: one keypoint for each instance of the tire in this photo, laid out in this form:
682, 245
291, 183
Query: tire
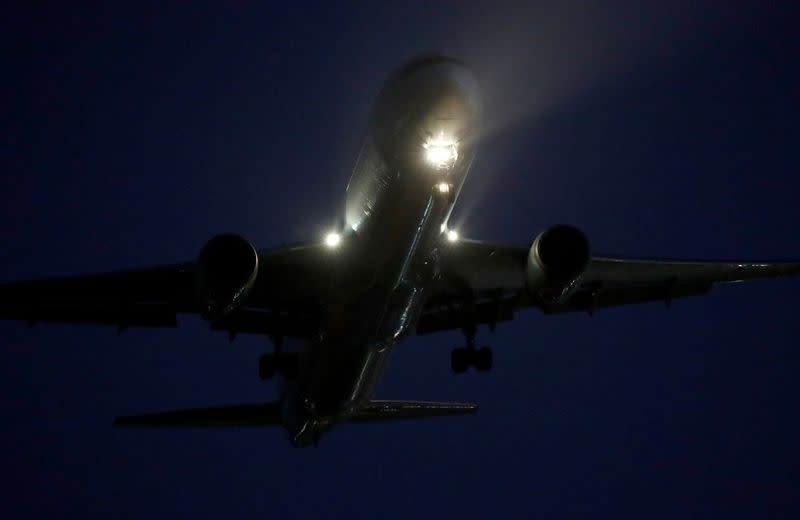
483, 359
289, 365
266, 367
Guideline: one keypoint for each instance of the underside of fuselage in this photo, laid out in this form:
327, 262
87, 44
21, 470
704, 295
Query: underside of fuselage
415, 157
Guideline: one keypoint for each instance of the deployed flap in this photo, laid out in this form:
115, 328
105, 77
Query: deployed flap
390, 410
267, 414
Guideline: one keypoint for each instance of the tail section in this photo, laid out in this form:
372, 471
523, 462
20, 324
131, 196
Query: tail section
269, 414
391, 410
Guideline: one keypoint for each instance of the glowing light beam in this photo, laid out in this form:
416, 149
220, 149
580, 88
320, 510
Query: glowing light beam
333, 239
441, 151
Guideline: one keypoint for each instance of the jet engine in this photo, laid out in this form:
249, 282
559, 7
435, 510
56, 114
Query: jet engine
227, 270
556, 262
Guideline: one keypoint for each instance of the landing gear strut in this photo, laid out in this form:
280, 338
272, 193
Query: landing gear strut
464, 357
271, 364
278, 363
445, 191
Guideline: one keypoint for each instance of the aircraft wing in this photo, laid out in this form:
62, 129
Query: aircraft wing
284, 299
484, 284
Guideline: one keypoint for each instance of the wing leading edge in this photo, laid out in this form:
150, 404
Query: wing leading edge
485, 283
284, 300
609, 282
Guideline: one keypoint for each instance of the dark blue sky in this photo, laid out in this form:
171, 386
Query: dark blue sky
129, 136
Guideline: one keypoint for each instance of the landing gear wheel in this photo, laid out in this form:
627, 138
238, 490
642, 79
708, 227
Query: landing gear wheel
271, 364
289, 365
460, 360
267, 366
463, 358
483, 359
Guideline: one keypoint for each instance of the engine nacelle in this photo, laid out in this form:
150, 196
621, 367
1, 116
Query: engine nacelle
556, 262
227, 270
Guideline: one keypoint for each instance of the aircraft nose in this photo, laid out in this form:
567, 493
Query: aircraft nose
432, 78
427, 97
426, 63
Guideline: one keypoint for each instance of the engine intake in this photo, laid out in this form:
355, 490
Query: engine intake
227, 270
556, 262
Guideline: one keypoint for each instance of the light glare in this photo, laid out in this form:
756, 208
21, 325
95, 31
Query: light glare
443, 187
333, 239
441, 151
452, 236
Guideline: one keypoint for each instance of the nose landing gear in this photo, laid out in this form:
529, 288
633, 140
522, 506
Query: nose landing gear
445, 191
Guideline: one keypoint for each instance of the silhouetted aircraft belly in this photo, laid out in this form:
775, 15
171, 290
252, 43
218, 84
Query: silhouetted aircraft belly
391, 268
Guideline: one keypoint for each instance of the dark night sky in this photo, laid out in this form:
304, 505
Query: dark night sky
131, 135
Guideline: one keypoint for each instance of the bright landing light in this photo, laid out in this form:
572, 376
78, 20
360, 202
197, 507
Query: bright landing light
441, 151
333, 239
452, 236
443, 188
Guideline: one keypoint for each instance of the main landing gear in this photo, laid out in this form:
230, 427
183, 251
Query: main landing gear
464, 357
281, 363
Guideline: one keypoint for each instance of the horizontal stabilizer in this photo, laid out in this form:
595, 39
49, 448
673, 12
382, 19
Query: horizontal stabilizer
267, 414
390, 410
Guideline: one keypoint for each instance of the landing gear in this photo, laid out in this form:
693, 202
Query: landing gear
463, 358
278, 363
271, 364
483, 359
445, 191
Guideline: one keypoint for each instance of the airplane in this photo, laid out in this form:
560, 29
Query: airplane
391, 268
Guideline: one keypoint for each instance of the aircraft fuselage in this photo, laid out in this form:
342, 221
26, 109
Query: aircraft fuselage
413, 162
